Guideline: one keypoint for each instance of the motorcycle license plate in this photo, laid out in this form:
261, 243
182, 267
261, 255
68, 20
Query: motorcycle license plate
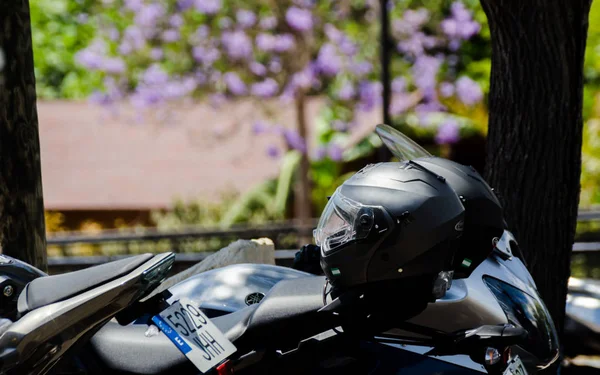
190, 330
515, 367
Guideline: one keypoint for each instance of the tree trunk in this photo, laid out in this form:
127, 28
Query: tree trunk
535, 130
385, 50
22, 227
303, 201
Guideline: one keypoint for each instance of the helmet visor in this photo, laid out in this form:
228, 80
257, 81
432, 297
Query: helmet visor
342, 221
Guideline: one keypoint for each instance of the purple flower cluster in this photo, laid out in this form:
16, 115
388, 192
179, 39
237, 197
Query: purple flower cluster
361, 68
156, 54
176, 21
265, 89
304, 79
94, 57
206, 55
134, 5
332, 150
448, 132
401, 102
294, 140
411, 21
328, 61
260, 127
183, 5
275, 43
257, 68
108, 98
170, 35
148, 15
156, 86
370, 95
417, 43
345, 45
460, 26
208, 6
245, 18
398, 85
133, 40
268, 23
424, 71
446, 89
242, 52
335, 152
235, 84
468, 91
237, 45
273, 151
299, 19
346, 91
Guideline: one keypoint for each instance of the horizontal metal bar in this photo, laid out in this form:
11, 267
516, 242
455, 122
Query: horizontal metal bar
198, 257
588, 215
239, 232
586, 246
285, 254
153, 234
180, 257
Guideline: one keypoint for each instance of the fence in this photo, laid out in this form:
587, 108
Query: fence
192, 245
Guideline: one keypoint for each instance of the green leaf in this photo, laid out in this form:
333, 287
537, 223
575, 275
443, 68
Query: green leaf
291, 161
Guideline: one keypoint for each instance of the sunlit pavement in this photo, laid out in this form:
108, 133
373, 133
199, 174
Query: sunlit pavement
582, 365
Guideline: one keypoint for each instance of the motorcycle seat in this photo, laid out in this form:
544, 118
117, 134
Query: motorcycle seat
285, 313
50, 289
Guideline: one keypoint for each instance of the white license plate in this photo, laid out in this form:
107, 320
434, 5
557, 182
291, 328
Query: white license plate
515, 367
194, 334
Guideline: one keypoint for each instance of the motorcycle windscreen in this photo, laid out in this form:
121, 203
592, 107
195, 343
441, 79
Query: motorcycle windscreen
400, 145
529, 312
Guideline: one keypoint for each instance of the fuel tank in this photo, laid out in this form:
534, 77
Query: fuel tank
230, 288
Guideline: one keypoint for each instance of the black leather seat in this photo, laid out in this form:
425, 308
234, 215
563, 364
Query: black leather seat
285, 312
46, 290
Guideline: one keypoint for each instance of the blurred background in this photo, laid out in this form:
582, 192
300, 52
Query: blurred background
179, 115
186, 124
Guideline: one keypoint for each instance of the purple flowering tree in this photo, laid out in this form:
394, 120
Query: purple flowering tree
155, 53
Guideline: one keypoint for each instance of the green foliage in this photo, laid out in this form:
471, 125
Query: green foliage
590, 168
59, 29
186, 213
266, 202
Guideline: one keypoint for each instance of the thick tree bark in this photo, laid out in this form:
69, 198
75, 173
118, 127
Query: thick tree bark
22, 228
535, 130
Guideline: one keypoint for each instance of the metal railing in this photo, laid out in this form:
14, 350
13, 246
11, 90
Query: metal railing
285, 235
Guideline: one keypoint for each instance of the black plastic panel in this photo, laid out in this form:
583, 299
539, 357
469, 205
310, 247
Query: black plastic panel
529, 312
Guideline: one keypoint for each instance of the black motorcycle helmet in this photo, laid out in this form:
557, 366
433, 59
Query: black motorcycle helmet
484, 218
389, 222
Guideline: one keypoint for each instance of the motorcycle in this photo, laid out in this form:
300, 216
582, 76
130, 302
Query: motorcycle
47, 317
267, 319
582, 321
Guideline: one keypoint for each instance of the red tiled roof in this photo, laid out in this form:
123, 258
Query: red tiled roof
93, 163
